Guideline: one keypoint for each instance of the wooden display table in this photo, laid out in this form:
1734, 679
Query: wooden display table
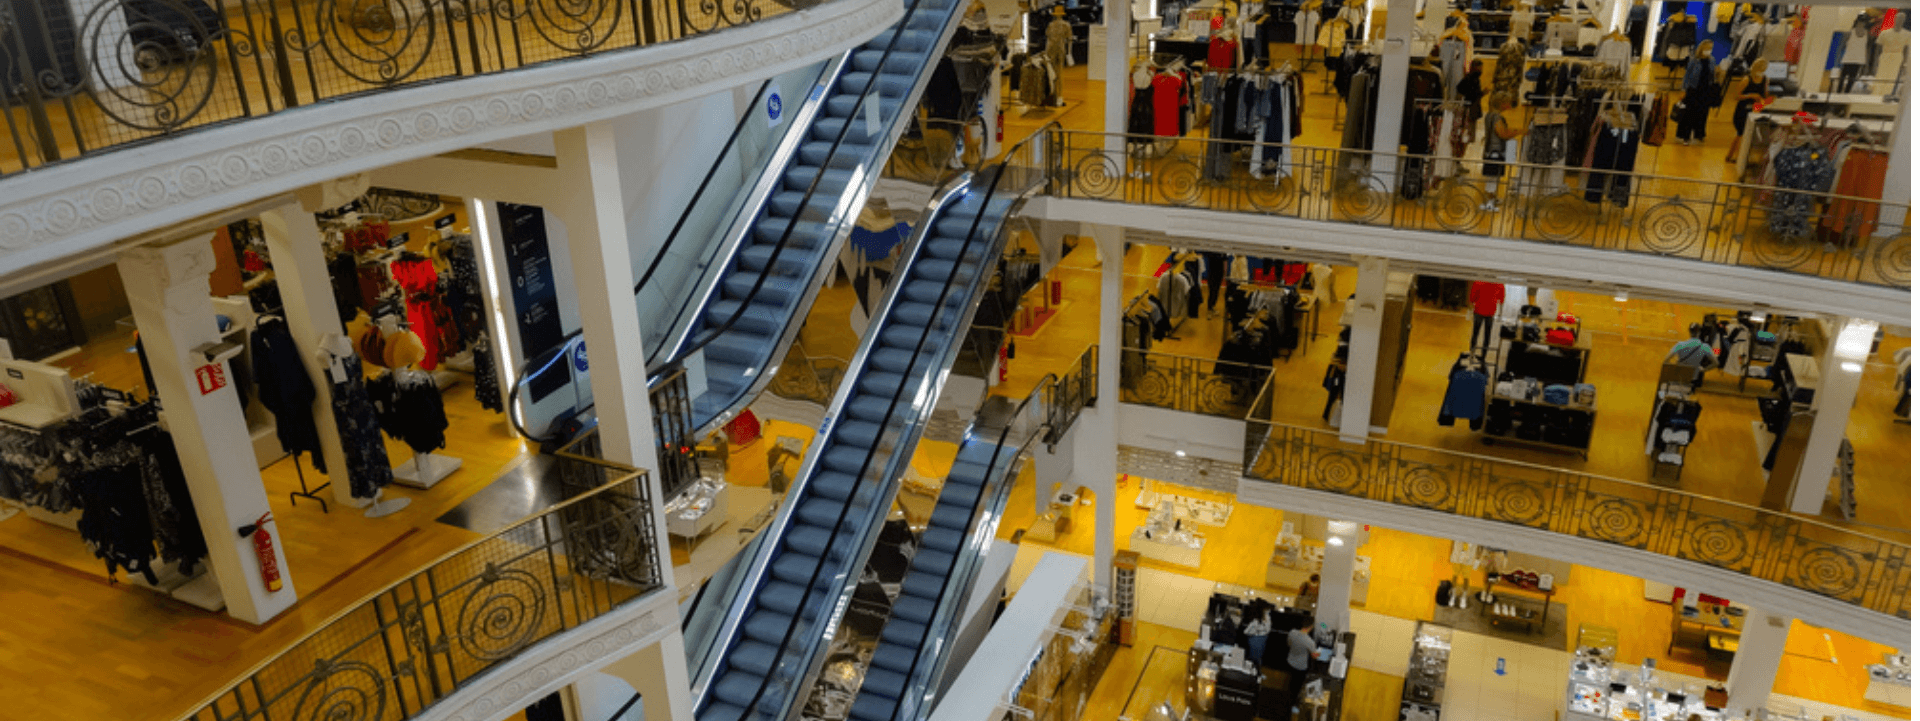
1717, 627
1517, 610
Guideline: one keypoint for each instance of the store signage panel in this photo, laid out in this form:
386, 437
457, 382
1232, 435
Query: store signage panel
536, 304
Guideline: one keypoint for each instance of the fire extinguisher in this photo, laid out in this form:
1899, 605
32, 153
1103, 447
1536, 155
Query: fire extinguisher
1006, 352
263, 550
1000, 126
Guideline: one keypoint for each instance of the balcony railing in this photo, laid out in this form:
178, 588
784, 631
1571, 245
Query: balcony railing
1791, 550
421, 639
1821, 234
134, 70
1193, 385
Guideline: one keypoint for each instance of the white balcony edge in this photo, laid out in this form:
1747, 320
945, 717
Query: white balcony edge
560, 660
1807, 606
1598, 271
68, 209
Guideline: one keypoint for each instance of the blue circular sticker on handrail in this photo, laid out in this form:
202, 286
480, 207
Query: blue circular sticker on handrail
774, 108
580, 356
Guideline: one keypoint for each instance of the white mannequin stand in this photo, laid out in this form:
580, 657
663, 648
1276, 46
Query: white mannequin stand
424, 470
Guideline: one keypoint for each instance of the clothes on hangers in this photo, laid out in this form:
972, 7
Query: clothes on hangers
1803, 168
409, 407
1466, 395
286, 390
354, 416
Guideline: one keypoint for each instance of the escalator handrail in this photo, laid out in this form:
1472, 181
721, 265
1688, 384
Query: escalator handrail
735, 617
741, 227
902, 451
753, 111
687, 347
544, 360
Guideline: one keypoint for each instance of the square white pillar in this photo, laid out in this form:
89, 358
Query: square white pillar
1363, 349
1097, 433
167, 287
1336, 575
1762, 644
1833, 406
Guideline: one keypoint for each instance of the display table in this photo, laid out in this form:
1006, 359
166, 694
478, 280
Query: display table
1600, 691
699, 509
1177, 548
1188, 510
1518, 607
1716, 627
1426, 682
1891, 682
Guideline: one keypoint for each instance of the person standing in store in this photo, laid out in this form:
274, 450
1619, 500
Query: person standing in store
1299, 653
1486, 298
1501, 144
1699, 93
1754, 93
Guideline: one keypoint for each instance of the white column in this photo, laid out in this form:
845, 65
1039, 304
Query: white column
1614, 17
1899, 182
595, 217
1119, 16
1097, 433
167, 287
659, 674
1832, 404
1363, 349
1762, 644
300, 268
1822, 22
1336, 574
1396, 49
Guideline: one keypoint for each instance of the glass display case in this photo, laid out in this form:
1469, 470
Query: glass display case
1597, 690
1426, 683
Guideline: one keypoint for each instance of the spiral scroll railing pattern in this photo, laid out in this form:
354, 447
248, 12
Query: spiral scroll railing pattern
1194, 385
1792, 550
129, 71
441, 629
1853, 239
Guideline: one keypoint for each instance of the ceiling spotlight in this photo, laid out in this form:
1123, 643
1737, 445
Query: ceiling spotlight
1180, 454
1336, 541
1620, 295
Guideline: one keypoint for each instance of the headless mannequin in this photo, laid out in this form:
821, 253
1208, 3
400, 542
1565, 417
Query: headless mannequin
1891, 66
339, 346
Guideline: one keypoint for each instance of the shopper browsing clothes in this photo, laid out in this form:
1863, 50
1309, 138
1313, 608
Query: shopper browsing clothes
1753, 95
1699, 94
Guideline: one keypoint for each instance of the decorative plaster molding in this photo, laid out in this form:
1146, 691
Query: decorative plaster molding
80, 206
1597, 271
1779, 598
558, 661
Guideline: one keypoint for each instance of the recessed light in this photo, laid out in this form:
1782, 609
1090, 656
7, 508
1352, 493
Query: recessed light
1180, 454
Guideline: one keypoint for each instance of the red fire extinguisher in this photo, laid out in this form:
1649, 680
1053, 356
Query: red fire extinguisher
263, 550
1000, 126
1006, 352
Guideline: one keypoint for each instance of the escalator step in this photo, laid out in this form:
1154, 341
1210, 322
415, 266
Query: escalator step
809, 540
950, 249
857, 433
937, 270
888, 84
943, 539
793, 260
923, 585
844, 459
740, 348
881, 383
925, 292
932, 561
720, 711
830, 129
753, 657
885, 683
874, 408
781, 596
866, 60
851, 153
963, 225
898, 659
910, 337
979, 453
903, 632
871, 707
775, 290
914, 314
765, 320
836, 486
914, 40
822, 512
950, 516
892, 360
775, 230
831, 180
738, 687
967, 475
917, 610
767, 627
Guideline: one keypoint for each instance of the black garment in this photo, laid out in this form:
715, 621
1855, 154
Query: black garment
113, 516
943, 92
1744, 108
368, 469
411, 411
1336, 384
486, 377
1692, 116
286, 390
345, 276
1613, 150
176, 530
1481, 338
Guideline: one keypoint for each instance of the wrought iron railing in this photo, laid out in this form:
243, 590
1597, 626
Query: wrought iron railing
1193, 385
1821, 234
133, 70
1792, 550
421, 639
1072, 393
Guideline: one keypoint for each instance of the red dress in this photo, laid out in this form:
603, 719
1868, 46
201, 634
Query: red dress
1166, 104
418, 278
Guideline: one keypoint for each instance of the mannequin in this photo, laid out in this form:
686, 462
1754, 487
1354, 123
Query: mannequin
1891, 65
368, 469
1059, 50
1522, 23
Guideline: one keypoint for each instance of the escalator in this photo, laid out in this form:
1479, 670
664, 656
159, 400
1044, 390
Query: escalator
915, 643
727, 308
794, 594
